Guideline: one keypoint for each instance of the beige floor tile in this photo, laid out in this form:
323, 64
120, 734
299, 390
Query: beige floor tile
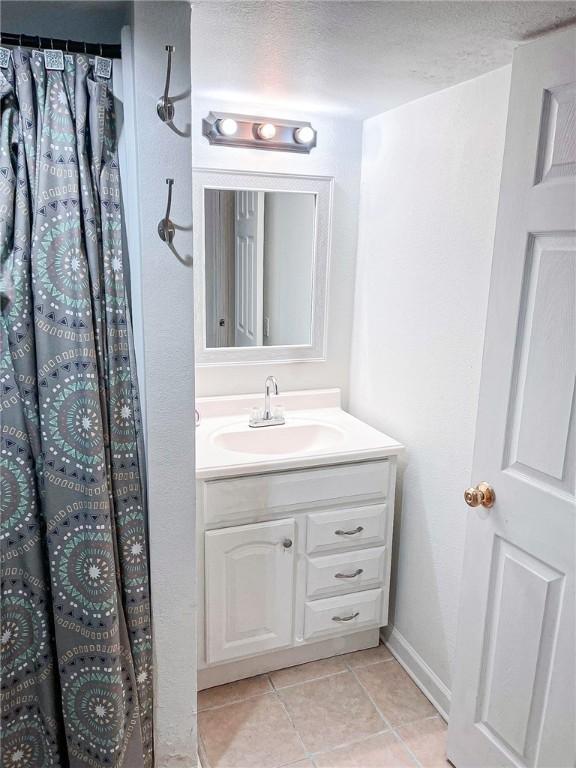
394, 693
331, 711
369, 656
310, 671
301, 764
256, 733
382, 751
427, 740
231, 692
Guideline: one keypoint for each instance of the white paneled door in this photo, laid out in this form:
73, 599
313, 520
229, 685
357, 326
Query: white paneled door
250, 583
513, 701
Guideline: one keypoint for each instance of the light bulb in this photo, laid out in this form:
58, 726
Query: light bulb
227, 126
304, 135
266, 131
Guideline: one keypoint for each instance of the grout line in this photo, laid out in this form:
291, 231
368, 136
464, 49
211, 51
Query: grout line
310, 755
346, 744
406, 747
296, 731
395, 729
310, 680
376, 707
369, 664
392, 728
236, 701
418, 720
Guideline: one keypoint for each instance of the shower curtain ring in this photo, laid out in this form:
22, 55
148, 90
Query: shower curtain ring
20, 40
39, 43
84, 47
67, 41
100, 50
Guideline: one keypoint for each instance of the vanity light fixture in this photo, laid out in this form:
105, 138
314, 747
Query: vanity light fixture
253, 132
227, 126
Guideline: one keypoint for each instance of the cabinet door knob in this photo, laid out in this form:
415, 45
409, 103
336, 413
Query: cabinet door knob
287, 543
340, 532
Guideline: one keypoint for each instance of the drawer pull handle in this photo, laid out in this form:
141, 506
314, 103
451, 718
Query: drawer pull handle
287, 543
340, 532
346, 618
349, 575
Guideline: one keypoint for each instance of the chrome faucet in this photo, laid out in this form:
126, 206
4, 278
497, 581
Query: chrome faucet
270, 382
266, 418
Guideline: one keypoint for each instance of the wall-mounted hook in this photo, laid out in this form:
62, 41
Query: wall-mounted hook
165, 105
166, 228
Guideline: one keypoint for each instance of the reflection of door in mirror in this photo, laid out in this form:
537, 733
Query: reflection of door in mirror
259, 254
249, 266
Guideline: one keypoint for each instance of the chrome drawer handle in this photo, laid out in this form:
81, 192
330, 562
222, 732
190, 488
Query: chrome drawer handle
340, 532
346, 618
349, 575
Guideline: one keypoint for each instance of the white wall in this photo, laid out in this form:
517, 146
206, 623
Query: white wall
430, 181
337, 154
288, 254
167, 298
84, 22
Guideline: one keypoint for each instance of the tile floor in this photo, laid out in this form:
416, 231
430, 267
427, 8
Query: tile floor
360, 710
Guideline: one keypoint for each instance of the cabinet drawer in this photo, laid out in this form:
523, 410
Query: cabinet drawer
345, 572
346, 528
336, 615
277, 492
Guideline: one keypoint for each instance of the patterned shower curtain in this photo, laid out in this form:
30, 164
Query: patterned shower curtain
75, 622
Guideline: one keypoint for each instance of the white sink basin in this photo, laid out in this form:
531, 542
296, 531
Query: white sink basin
281, 439
317, 432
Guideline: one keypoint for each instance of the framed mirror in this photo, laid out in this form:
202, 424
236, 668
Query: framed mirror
261, 246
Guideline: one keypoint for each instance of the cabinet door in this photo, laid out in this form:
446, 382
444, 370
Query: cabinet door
249, 589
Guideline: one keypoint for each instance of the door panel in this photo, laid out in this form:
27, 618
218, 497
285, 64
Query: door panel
540, 410
249, 589
513, 698
557, 149
521, 628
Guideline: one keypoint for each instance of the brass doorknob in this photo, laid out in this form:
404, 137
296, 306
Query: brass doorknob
483, 495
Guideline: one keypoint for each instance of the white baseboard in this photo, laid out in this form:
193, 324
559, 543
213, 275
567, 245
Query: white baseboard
427, 680
219, 674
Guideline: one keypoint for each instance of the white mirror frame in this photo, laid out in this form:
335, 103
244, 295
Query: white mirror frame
322, 187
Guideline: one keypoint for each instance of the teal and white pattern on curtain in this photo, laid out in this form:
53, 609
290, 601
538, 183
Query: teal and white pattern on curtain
75, 626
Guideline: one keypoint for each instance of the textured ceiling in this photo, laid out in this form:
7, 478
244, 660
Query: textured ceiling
356, 58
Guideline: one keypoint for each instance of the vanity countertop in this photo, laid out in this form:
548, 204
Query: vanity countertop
317, 432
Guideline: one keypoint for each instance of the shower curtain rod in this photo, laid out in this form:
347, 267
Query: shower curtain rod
70, 46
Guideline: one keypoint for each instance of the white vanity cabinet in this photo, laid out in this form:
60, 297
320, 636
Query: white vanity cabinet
295, 565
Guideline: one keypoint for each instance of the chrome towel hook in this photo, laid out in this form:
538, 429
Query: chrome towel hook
165, 105
166, 228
